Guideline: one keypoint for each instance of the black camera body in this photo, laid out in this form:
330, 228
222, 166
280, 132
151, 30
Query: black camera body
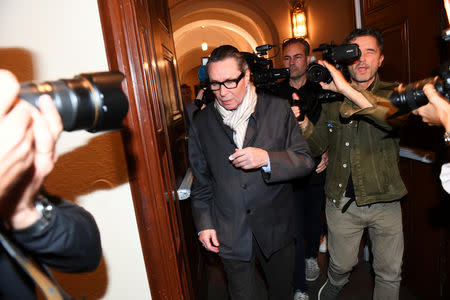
409, 97
263, 73
335, 55
91, 101
314, 91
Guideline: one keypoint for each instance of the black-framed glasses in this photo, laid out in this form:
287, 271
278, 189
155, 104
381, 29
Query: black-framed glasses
229, 84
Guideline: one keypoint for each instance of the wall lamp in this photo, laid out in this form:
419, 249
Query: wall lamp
299, 28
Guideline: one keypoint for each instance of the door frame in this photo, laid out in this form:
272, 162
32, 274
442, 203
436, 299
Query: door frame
168, 277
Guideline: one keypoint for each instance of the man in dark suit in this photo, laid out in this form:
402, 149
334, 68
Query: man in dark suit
243, 149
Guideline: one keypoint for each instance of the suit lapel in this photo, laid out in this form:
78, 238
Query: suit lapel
250, 135
228, 131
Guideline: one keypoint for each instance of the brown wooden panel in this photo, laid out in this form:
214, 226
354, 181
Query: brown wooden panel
372, 6
134, 48
396, 53
150, 78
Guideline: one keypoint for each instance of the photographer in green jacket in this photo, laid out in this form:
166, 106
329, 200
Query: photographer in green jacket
363, 184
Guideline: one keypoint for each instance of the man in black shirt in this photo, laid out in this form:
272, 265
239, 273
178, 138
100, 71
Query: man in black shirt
309, 191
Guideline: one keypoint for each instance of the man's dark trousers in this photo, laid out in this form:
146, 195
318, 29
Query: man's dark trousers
278, 269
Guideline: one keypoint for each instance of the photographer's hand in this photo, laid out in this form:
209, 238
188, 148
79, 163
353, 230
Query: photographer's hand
16, 135
297, 112
437, 111
200, 97
323, 163
28, 138
342, 86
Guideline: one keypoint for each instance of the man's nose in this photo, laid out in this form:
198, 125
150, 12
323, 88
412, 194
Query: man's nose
223, 90
362, 57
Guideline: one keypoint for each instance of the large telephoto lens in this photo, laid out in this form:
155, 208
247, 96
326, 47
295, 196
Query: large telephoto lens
409, 97
90, 101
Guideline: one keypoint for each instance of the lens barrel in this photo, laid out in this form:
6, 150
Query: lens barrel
90, 101
409, 97
318, 73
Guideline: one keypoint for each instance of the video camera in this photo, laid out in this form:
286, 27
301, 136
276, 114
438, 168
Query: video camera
335, 55
91, 101
262, 71
208, 95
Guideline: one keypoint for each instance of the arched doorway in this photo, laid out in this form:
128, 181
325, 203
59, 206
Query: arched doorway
236, 23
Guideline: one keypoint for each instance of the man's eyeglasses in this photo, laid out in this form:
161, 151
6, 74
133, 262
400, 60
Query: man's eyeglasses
229, 84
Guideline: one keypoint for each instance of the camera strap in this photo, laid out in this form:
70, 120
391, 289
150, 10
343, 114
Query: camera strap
50, 289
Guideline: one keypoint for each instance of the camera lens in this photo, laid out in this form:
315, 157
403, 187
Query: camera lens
318, 73
91, 101
409, 97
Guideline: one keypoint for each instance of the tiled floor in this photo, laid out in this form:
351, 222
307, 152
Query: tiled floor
359, 288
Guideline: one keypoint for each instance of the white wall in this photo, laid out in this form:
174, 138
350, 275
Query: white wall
53, 39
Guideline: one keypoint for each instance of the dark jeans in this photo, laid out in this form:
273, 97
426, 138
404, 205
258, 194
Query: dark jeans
308, 201
277, 269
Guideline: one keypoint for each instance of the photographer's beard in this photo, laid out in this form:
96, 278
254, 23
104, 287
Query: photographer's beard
362, 74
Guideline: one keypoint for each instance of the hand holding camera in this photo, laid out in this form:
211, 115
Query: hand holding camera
437, 111
338, 83
28, 137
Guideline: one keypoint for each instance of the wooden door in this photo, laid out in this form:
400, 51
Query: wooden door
413, 50
138, 39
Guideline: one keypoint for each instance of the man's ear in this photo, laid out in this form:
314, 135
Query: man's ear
308, 59
247, 76
380, 63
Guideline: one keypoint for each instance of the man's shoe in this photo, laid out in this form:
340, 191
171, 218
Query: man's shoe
328, 291
301, 296
323, 245
312, 270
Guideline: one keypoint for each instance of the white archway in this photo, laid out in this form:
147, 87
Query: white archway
237, 23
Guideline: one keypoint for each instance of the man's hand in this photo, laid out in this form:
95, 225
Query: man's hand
296, 109
437, 111
339, 84
208, 238
323, 163
249, 158
16, 135
297, 112
27, 154
342, 86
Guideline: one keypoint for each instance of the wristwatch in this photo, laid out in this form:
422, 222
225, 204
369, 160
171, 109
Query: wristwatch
447, 138
45, 210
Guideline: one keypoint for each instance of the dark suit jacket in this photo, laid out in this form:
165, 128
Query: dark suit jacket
238, 203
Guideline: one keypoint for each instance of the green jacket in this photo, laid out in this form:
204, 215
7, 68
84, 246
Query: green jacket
363, 142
